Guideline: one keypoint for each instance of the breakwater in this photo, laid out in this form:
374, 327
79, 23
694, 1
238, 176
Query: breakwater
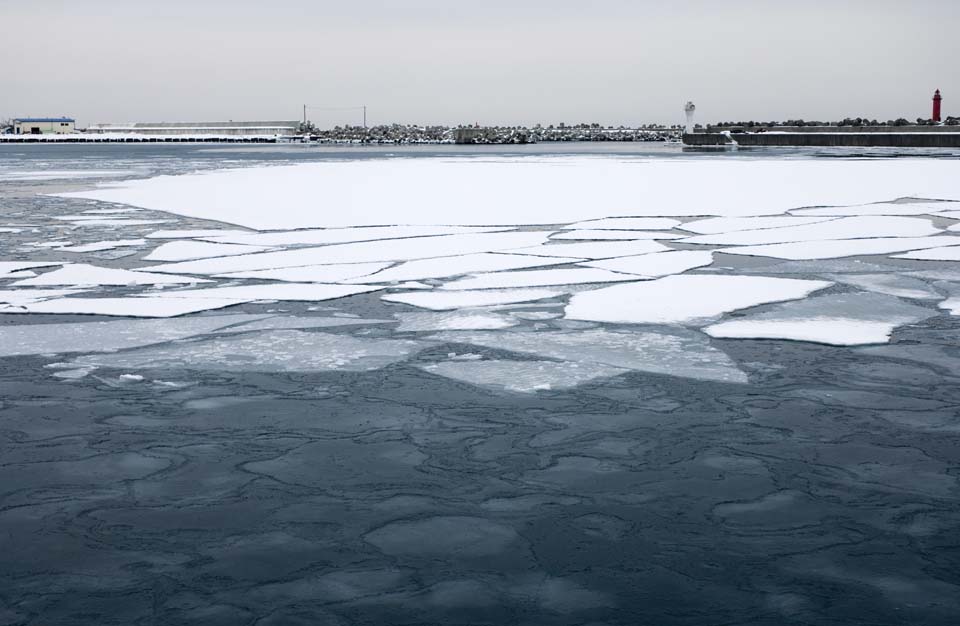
828, 139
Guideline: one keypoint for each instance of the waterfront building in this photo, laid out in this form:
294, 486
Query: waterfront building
282, 128
43, 125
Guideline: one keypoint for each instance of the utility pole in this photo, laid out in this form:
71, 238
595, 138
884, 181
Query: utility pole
304, 115
364, 116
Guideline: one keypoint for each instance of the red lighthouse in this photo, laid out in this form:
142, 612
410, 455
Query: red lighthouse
936, 106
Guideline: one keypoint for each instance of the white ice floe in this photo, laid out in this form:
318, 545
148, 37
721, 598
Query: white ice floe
13, 298
627, 223
898, 208
308, 292
100, 246
191, 250
613, 235
839, 319
595, 249
116, 222
109, 211
13, 231
449, 300
678, 352
808, 250
125, 307
106, 336
268, 351
538, 278
296, 322
527, 190
9, 267
933, 254
890, 284
684, 299
453, 320
656, 264
717, 225
361, 252
83, 274
195, 233
444, 267
19, 274
866, 227
314, 273
25, 176
952, 215
348, 235
522, 376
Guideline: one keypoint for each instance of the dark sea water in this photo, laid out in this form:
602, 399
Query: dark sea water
825, 491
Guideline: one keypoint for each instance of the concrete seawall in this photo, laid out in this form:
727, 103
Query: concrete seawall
841, 139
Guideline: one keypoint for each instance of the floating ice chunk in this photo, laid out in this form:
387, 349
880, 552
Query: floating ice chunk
20, 297
830, 266
458, 265
312, 292
104, 245
190, 250
807, 250
288, 323
74, 374
839, 319
347, 235
314, 273
684, 299
106, 336
678, 352
601, 235
951, 304
656, 264
538, 278
361, 252
526, 190
9, 267
627, 223
115, 222
269, 351
842, 228
136, 306
62, 174
716, 225
453, 320
899, 208
522, 376
952, 215
195, 233
13, 231
110, 211
20, 274
595, 250
449, 300
83, 274
933, 254
889, 284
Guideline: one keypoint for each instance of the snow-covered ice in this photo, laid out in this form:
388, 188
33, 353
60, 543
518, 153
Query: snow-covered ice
83, 274
595, 249
124, 307
890, 284
299, 323
50, 174
308, 292
678, 352
612, 235
444, 267
684, 299
14, 298
113, 222
656, 264
717, 225
190, 250
526, 190
100, 246
950, 253
865, 227
898, 208
453, 320
348, 235
188, 233
538, 278
449, 300
9, 267
627, 223
315, 273
522, 376
837, 319
808, 250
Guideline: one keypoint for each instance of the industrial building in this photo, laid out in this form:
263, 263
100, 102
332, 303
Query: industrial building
44, 125
284, 128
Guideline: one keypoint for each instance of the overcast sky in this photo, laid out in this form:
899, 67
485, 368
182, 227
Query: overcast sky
488, 61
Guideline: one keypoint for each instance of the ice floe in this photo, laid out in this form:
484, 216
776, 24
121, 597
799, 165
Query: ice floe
656, 264
526, 190
595, 249
677, 352
627, 223
314, 273
449, 300
124, 307
298, 322
522, 376
28, 176
9, 267
890, 284
106, 336
838, 319
348, 235
684, 299
360, 252
307, 292
717, 225
12, 299
897, 208
866, 227
444, 267
114, 222
190, 250
538, 278
83, 274
268, 351
809, 250
612, 235
453, 320
195, 233
950, 253
100, 246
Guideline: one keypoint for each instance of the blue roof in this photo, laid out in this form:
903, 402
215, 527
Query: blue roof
44, 119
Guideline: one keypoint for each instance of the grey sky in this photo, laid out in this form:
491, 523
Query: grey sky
490, 61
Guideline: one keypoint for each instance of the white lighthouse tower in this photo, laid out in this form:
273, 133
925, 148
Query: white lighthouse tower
689, 109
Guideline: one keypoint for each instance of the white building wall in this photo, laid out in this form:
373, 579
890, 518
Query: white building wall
25, 127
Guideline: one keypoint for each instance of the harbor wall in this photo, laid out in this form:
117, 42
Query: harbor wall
841, 139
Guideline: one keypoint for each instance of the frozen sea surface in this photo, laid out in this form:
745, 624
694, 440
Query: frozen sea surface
323, 433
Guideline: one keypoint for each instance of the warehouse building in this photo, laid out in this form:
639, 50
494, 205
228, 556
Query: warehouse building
44, 125
285, 129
